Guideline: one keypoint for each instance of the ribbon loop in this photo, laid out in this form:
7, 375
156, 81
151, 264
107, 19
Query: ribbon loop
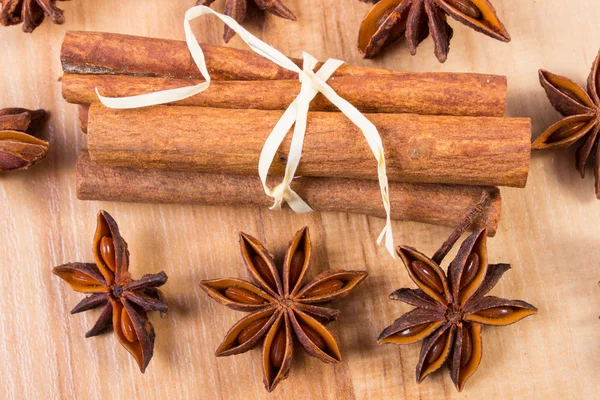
295, 115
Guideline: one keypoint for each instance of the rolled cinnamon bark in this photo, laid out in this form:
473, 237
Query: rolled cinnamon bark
116, 54
113, 53
418, 148
443, 205
83, 116
427, 95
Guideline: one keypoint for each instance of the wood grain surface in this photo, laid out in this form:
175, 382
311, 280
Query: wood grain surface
549, 232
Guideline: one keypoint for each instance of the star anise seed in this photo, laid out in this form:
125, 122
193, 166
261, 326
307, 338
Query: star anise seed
124, 301
388, 20
236, 9
282, 308
451, 309
581, 122
30, 12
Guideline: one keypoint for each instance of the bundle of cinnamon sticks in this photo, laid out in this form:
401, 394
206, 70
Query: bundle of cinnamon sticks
444, 134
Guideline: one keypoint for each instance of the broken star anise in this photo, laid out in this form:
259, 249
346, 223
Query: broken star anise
30, 12
19, 150
451, 309
388, 20
124, 301
281, 307
581, 112
236, 9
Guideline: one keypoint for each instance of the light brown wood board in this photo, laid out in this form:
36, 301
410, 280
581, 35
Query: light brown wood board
550, 232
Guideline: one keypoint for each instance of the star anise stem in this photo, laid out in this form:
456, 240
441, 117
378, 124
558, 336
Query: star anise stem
469, 219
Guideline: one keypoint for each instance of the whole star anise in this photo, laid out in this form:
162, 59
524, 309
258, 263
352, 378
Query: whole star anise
30, 12
450, 310
281, 307
388, 20
236, 9
124, 301
582, 117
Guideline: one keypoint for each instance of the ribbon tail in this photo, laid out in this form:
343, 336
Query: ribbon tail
374, 140
269, 150
152, 99
296, 203
389, 238
276, 204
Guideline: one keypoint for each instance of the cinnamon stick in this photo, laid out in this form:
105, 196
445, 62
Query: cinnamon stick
83, 116
436, 204
418, 148
427, 95
116, 54
113, 53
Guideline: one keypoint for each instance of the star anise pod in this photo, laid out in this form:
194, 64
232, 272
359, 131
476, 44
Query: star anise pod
18, 148
281, 306
581, 112
30, 12
236, 9
388, 20
124, 300
451, 309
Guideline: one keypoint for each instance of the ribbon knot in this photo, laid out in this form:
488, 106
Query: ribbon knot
294, 116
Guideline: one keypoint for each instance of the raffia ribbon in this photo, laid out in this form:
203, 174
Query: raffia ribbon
295, 115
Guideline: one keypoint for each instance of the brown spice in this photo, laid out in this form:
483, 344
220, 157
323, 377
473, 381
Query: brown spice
18, 148
111, 287
236, 9
388, 20
324, 288
451, 308
581, 122
116, 54
30, 12
291, 310
413, 93
418, 148
433, 204
243, 296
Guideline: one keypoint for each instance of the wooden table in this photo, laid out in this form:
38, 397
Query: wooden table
549, 232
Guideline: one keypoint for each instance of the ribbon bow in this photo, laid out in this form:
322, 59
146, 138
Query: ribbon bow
295, 115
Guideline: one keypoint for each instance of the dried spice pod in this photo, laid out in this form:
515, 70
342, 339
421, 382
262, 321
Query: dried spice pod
581, 122
236, 9
388, 20
125, 301
22, 120
451, 309
283, 310
30, 12
18, 149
